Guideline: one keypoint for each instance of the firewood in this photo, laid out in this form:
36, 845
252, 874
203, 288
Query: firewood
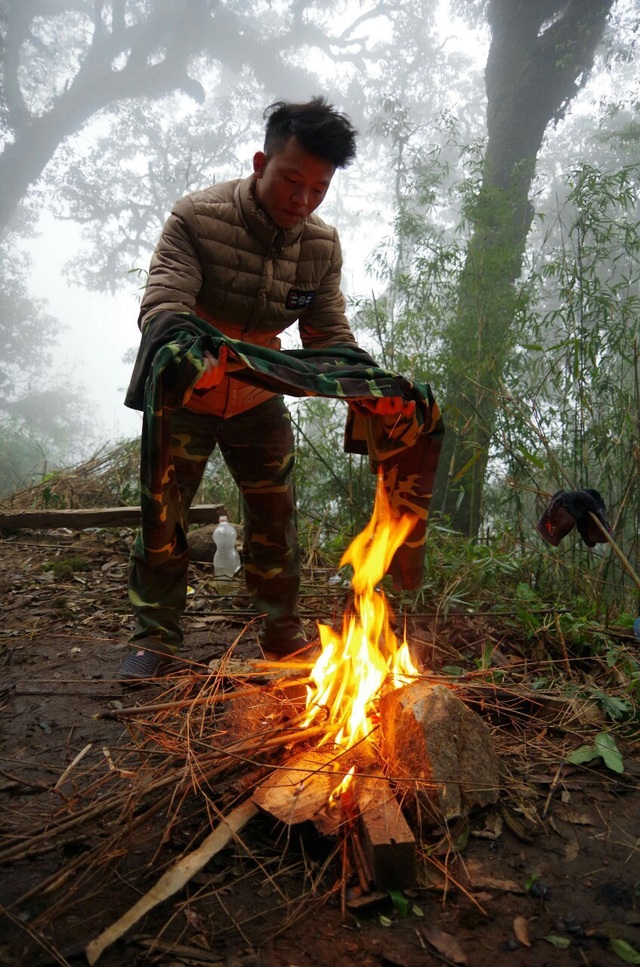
175, 878
301, 787
388, 843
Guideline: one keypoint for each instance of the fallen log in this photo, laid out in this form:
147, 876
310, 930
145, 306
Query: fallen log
80, 518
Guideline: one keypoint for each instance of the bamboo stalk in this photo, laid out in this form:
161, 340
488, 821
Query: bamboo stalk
625, 563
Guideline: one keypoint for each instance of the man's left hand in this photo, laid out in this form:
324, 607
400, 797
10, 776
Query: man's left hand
388, 406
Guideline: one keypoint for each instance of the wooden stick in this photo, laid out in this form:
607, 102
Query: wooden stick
175, 878
626, 564
343, 879
565, 654
142, 710
71, 765
552, 787
362, 867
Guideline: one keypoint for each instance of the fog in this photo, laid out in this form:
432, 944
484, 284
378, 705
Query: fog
98, 329
97, 141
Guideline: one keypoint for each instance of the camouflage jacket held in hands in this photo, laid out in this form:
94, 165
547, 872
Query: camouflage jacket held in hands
221, 257
405, 449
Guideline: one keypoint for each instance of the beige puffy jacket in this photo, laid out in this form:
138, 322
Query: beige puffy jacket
222, 258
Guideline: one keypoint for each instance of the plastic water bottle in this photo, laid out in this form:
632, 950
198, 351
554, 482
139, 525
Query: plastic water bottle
226, 560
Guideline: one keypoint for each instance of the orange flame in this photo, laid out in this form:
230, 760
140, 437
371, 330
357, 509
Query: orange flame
354, 665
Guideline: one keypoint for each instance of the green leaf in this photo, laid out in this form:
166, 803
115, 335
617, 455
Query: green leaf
455, 670
531, 880
540, 683
532, 458
400, 903
467, 466
604, 746
561, 943
607, 748
416, 910
488, 649
586, 753
624, 951
616, 708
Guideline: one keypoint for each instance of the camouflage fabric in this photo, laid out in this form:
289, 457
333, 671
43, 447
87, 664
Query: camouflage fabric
261, 464
405, 450
169, 364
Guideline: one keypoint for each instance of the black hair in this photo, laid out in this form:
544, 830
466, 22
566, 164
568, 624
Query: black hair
318, 126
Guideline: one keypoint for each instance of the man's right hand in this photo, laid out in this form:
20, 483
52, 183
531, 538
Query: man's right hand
214, 369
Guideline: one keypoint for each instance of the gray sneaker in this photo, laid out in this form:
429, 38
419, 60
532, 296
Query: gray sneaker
141, 664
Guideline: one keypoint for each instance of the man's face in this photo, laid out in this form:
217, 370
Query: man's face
291, 183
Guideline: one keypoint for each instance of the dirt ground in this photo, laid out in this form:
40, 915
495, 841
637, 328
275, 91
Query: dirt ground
549, 875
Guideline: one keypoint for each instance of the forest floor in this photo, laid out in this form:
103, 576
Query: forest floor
92, 814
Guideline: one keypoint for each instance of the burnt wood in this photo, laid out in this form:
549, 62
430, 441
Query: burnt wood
387, 840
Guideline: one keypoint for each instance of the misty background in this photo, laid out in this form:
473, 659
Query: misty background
489, 223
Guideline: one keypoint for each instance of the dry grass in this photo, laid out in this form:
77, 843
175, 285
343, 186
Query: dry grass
107, 479
201, 749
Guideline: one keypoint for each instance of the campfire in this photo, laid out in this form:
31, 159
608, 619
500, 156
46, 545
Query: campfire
381, 749
382, 741
356, 664
391, 732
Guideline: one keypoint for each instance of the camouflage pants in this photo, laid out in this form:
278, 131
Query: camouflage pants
258, 448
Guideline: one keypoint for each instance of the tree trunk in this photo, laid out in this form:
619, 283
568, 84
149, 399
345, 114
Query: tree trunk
541, 53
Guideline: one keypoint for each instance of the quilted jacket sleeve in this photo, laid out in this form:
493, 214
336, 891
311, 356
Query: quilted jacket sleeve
175, 272
325, 323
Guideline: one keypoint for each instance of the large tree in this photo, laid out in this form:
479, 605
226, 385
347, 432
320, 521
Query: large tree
62, 62
541, 53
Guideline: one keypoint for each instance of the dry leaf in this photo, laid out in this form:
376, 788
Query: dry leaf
521, 930
577, 817
477, 879
446, 944
492, 828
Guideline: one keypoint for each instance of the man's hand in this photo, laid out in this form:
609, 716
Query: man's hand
214, 369
388, 406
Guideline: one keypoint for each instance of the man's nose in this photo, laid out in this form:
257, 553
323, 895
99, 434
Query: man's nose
301, 196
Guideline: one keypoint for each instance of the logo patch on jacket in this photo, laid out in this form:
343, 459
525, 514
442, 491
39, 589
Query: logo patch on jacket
299, 299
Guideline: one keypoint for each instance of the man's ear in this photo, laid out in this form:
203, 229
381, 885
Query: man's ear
259, 162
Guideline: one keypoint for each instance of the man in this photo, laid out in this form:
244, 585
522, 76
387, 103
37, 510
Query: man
251, 258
